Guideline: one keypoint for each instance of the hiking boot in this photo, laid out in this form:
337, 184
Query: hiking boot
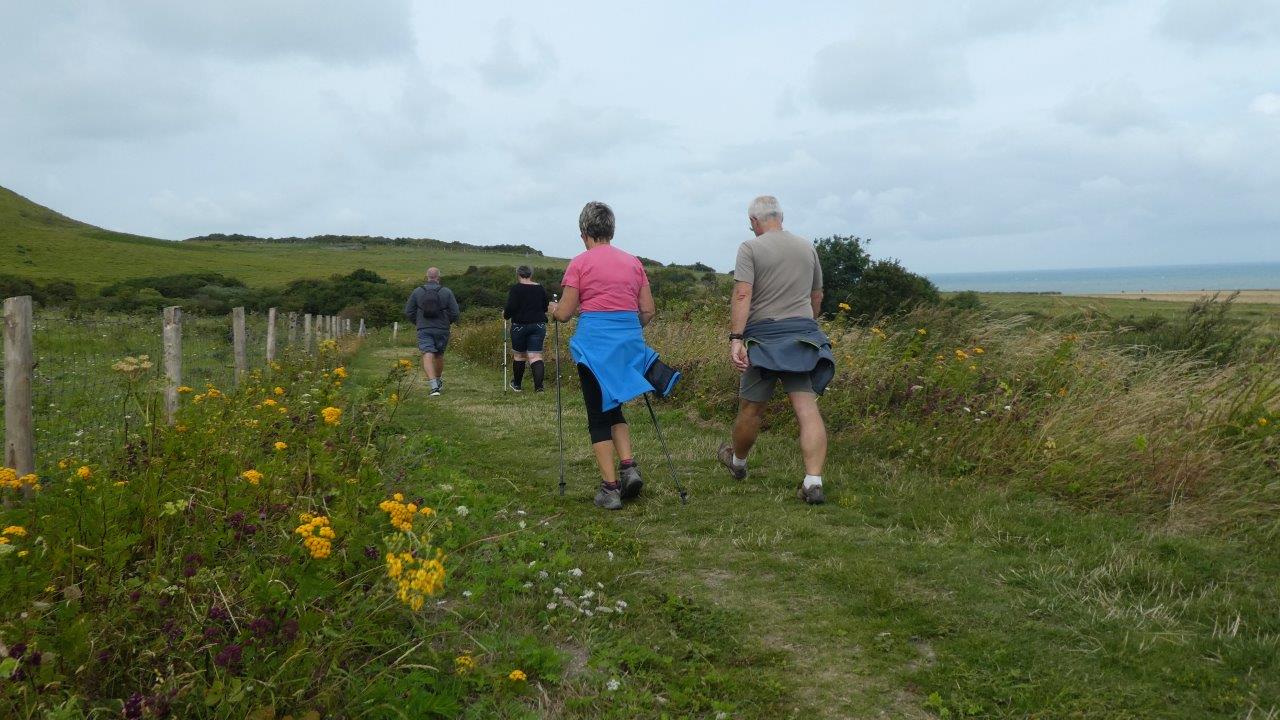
515, 387
629, 479
725, 455
812, 496
609, 498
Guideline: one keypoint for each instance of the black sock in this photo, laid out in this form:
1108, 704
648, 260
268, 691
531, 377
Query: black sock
519, 372
539, 372
627, 463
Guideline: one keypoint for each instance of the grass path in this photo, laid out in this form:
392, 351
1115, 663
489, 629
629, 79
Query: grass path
905, 595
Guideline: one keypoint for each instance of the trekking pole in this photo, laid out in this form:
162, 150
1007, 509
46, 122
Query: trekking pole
506, 335
684, 498
559, 408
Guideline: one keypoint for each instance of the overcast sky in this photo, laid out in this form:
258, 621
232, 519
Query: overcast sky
963, 136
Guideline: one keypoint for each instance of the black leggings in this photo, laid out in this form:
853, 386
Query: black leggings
599, 423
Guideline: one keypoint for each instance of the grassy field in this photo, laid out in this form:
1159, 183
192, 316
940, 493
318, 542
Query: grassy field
1265, 314
39, 243
910, 594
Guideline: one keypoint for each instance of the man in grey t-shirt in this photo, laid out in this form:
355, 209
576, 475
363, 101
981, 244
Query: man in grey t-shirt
773, 335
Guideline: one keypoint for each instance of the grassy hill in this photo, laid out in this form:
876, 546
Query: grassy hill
41, 244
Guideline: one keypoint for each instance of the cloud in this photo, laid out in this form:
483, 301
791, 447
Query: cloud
891, 72
574, 132
516, 59
1220, 22
1109, 109
1266, 104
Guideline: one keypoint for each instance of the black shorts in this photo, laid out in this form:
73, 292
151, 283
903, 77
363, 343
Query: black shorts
528, 338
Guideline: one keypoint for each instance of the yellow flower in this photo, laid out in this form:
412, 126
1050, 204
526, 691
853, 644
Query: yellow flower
281, 445
14, 530
64, 464
120, 483
180, 427
332, 415
340, 372
4, 540
394, 399
316, 534
978, 351
844, 306
404, 363
22, 553
269, 402
464, 664
184, 389
84, 473
416, 578
961, 354
922, 331
517, 676
253, 476
1262, 422
1062, 392
278, 390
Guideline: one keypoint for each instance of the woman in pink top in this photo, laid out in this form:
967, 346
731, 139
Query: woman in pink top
611, 290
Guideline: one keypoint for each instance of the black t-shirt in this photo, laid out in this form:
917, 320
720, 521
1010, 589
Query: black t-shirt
526, 304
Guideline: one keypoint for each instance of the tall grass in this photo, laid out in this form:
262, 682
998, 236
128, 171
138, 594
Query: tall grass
1069, 407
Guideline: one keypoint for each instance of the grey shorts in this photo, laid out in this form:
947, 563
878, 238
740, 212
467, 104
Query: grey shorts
432, 341
758, 384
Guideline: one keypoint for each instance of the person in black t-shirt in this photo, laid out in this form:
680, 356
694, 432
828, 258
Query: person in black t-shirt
527, 310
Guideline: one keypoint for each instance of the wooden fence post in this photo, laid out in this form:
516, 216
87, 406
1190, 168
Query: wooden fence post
395, 330
271, 335
172, 360
306, 332
360, 332
237, 342
293, 328
19, 366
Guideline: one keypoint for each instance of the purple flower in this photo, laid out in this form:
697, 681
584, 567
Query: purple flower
133, 706
229, 656
212, 632
371, 552
217, 612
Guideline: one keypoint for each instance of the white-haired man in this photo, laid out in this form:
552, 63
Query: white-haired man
432, 308
774, 335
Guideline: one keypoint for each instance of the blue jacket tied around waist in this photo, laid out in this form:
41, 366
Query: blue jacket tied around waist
792, 345
611, 345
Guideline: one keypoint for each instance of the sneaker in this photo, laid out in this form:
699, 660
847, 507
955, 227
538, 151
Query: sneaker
812, 496
538, 390
630, 480
515, 387
609, 498
435, 392
725, 455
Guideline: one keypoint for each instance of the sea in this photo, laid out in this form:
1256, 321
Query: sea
1087, 281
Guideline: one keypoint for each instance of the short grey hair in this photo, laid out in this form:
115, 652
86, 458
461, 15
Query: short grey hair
433, 274
524, 271
765, 207
597, 221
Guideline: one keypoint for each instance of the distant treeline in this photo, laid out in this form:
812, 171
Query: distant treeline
361, 240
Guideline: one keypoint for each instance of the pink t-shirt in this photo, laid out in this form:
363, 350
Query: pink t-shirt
607, 279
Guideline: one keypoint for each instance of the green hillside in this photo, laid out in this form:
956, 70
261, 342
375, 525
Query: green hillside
41, 244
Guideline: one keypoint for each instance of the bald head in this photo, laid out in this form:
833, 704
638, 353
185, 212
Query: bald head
433, 274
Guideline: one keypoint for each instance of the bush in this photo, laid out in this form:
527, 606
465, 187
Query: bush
965, 300
886, 288
844, 260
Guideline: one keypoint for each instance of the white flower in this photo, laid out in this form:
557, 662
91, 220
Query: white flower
447, 487
576, 572
521, 524
967, 410
622, 604
612, 685
610, 554
528, 585
722, 715
542, 575
604, 609
1008, 407
587, 595
556, 591
552, 606
466, 593
532, 563
521, 512
462, 511
600, 585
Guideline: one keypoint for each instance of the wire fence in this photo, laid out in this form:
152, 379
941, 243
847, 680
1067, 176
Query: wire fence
80, 403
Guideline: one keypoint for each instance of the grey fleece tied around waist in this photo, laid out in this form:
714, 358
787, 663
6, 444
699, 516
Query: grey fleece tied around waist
795, 345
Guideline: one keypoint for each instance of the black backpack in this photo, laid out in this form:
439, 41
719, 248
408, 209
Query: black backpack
429, 303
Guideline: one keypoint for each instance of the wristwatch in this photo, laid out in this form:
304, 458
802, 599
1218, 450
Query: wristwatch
735, 336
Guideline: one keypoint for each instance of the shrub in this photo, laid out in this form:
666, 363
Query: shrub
844, 260
886, 288
965, 300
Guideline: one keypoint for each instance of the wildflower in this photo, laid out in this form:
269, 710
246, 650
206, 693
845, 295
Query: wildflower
269, 402
253, 476
416, 578
394, 399
464, 664
1062, 392
340, 372
317, 535
961, 354
23, 553
844, 306
612, 685
120, 483
576, 572
281, 445
401, 514
4, 540
180, 428
278, 390
15, 531
184, 389
922, 331
878, 333
404, 363
84, 473
331, 415
462, 511
1262, 422
517, 675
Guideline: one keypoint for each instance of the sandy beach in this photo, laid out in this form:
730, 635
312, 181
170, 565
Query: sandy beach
1246, 296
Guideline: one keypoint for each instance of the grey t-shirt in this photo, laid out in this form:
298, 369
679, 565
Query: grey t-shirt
783, 270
